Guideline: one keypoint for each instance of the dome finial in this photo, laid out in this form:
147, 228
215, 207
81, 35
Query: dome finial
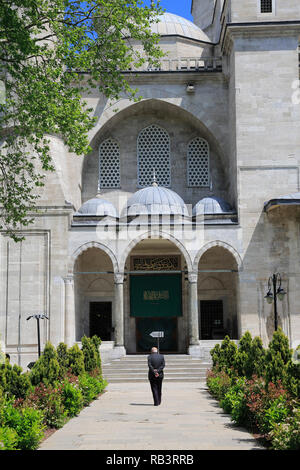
154, 182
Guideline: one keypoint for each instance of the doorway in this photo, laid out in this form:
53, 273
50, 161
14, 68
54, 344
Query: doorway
101, 320
212, 320
145, 326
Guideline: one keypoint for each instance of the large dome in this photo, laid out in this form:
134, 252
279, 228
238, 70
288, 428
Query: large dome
170, 24
155, 200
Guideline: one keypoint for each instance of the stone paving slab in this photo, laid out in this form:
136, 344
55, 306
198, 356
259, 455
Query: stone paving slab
124, 418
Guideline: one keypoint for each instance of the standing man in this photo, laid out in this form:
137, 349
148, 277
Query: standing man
156, 364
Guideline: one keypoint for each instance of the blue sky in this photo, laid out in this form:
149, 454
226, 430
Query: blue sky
179, 7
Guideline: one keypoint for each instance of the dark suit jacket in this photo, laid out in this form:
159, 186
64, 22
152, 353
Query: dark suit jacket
156, 361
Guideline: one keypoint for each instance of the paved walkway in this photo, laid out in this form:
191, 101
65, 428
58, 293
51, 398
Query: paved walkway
124, 418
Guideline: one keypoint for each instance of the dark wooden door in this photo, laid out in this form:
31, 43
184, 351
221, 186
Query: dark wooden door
101, 320
212, 326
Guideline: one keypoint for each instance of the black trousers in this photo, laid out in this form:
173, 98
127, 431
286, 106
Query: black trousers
156, 384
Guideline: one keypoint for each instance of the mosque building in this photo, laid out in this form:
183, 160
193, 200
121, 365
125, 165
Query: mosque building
186, 206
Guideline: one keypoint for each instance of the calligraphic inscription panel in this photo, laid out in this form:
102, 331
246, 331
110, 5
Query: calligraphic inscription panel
156, 263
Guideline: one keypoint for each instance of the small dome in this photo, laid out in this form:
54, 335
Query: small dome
212, 205
155, 200
170, 24
97, 207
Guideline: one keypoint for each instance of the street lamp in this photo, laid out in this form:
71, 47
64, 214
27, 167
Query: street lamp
275, 290
38, 318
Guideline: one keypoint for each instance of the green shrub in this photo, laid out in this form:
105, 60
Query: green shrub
72, 399
76, 360
224, 356
50, 400
46, 369
26, 422
9, 415
31, 429
278, 356
90, 354
276, 413
218, 383
13, 381
234, 402
90, 387
63, 358
97, 342
250, 356
292, 378
8, 439
286, 434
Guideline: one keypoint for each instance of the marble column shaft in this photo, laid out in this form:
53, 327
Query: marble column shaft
193, 310
119, 310
69, 311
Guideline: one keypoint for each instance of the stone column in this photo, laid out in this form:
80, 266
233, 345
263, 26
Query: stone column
194, 345
119, 349
69, 311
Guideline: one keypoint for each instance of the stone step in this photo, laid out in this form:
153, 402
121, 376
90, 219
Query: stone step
143, 366
179, 368
200, 380
143, 373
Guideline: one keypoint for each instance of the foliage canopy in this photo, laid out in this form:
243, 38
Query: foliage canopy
52, 54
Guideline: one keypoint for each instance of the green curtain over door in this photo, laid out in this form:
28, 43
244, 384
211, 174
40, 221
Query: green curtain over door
155, 295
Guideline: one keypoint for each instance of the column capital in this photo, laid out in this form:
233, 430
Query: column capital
119, 278
192, 277
69, 279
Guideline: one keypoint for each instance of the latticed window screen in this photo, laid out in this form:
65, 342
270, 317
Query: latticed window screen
198, 163
109, 164
266, 6
153, 149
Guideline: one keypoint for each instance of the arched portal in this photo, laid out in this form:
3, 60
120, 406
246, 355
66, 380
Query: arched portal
156, 296
217, 293
94, 294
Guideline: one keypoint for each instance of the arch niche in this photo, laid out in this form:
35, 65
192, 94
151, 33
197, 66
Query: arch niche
155, 294
181, 126
94, 293
218, 266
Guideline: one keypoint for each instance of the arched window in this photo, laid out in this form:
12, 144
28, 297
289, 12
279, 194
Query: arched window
198, 163
153, 152
109, 164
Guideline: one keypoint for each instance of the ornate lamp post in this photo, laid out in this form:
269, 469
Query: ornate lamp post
275, 291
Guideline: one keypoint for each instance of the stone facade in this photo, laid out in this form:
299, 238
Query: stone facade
236, 88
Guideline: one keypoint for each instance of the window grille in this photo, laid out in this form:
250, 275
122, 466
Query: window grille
153, 149
109, 164
266, 6
198, 163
